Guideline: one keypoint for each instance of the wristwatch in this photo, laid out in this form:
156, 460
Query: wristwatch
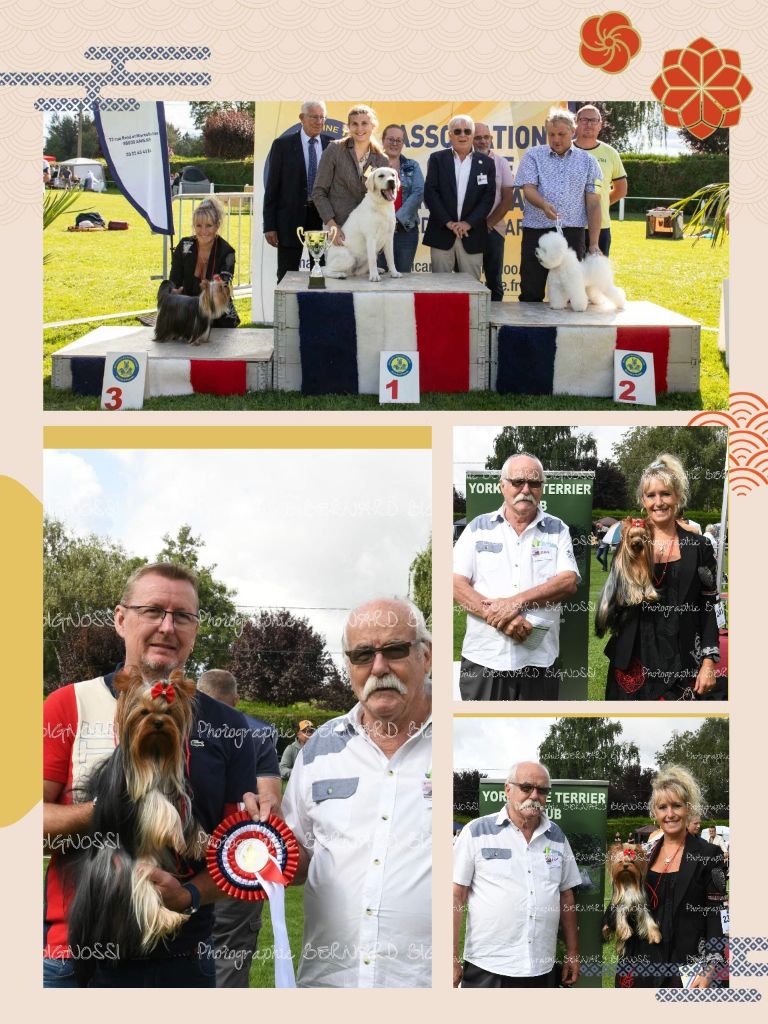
194, 892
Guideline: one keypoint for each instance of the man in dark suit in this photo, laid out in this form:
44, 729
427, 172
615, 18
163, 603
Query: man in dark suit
459, 193
293, 161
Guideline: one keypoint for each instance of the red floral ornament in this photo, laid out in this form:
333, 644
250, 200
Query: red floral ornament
609, 42
701, 88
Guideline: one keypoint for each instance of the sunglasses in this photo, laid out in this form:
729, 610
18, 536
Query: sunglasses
461, 131
527, 788
391, 652
518, 482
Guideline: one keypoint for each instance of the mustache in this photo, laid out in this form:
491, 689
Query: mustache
532, 804
526, 498
387, 682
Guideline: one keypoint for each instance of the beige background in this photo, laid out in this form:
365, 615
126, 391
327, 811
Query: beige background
412, 49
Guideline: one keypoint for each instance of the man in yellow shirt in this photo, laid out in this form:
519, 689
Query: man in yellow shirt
613, 186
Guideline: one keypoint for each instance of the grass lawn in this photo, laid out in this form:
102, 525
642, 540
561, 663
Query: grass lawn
95, 273
596, 660
263, 968
100, 273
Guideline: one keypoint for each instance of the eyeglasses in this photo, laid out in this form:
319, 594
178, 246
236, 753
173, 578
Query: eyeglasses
394, 142
391, 652
308, 731
519, 481
483, 138
462, 131
315, 117
156, 615
527, 788
589, 120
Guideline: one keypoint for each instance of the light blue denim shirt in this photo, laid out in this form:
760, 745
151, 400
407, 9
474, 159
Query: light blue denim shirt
561, 180
412, 191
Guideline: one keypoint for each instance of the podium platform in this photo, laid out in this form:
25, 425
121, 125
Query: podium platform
538, 350
234, 361
327, 341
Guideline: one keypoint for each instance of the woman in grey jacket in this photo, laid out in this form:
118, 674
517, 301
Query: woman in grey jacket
344, 168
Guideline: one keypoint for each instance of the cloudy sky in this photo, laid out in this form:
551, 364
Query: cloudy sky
493, 744
317, 531
473, 445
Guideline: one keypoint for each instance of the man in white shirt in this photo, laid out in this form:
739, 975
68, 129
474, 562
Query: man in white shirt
715, 840
459, 193
493, 257
515, 872
359, 801
512, 568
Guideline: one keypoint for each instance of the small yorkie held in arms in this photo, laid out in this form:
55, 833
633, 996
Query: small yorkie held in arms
630, 581
141, 793
189, 317
628, 914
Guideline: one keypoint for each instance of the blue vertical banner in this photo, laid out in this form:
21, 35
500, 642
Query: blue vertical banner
135, 146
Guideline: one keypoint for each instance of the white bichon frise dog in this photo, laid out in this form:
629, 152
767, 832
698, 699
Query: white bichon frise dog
579, 283
368, 229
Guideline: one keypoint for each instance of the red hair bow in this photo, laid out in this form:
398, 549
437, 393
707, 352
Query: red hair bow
163, 689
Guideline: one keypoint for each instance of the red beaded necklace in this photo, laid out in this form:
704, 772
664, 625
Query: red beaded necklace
660, 580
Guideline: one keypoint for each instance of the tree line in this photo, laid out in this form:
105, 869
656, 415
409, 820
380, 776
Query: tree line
702, 451
592, 748
276, 656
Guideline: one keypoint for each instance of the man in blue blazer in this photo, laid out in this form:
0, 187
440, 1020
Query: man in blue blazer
459, 193
292, 165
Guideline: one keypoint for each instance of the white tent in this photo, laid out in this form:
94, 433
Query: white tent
80, 166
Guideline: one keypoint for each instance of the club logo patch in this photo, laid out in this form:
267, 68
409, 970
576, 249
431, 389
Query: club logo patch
125, 369
633, 364
399, 365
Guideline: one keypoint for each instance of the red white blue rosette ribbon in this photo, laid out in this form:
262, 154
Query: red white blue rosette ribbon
243, 854
255, 860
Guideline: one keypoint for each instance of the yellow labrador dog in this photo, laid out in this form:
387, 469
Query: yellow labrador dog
368, 229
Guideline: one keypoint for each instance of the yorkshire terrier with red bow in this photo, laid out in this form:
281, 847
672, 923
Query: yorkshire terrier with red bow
630, 581
628, 913
140, 794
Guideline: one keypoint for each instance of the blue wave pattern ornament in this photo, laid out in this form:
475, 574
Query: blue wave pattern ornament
117, 75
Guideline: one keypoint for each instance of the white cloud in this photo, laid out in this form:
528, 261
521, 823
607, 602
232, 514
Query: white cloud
473, 445
72, 491
314, 529
493, 744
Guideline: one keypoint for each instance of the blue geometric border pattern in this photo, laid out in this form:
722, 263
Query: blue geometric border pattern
94, 81
741, 965
708, 995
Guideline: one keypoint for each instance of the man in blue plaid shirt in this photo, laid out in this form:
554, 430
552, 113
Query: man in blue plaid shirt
560, 183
